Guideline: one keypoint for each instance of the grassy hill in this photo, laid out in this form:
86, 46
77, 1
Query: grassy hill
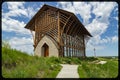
17, 64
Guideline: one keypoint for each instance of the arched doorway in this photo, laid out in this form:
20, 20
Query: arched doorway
45, 50
47, 44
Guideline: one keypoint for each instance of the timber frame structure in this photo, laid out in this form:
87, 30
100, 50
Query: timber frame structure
63, 27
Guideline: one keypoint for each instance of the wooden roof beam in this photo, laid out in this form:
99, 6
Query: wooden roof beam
74, 32
81, 31
69, 26
45, 7
66, 23
73, 27
78, 30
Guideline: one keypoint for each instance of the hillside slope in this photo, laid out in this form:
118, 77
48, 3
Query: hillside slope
16, 64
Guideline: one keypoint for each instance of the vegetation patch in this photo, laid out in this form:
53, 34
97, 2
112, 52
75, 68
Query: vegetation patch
17, 64
89, 69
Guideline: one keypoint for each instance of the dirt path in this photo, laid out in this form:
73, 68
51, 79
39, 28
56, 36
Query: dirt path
68, 71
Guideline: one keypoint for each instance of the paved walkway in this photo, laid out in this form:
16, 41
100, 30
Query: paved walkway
68, 71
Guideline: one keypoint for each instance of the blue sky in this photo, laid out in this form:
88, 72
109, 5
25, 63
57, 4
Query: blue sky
99, 18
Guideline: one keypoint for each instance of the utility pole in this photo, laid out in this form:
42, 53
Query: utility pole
94, 52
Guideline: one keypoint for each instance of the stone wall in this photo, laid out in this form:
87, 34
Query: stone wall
53, 47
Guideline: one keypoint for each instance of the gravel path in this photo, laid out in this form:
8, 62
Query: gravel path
68, 71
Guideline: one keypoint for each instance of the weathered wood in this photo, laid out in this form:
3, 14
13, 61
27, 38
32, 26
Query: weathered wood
58, 28
66, 45
63, 27
84, 47
69, 26
73, 27
75, 30
65, 24
35, 35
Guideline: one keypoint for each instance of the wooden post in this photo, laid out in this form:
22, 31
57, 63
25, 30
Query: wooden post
73, 51
35, 35
59, 36
58, 28
73, 47
84, 46
65, 45
76, 48
67, 51
69, 47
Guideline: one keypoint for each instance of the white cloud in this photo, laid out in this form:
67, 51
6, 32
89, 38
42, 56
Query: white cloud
15, 5
97, 47
23, 44
116, 18
103, 9
31, 12
77, 8
83, 9
9, 25
96, 42
96, 27
100, 24
15, 9
18, 9
115, 39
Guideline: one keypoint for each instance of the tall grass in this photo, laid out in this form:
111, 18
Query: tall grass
89, 69
16, 64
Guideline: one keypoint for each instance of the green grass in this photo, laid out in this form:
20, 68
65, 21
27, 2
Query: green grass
69, 60
16, 64
89, 68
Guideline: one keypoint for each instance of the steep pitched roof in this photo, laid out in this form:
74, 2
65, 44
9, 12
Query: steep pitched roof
31, 26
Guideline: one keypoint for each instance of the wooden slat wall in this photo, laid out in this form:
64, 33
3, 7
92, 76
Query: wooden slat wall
60, 27
46, 23
74, 45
